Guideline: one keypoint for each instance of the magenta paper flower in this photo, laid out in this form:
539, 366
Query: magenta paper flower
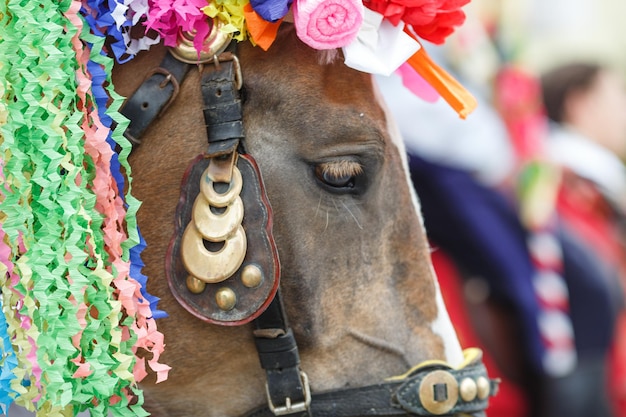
168, 17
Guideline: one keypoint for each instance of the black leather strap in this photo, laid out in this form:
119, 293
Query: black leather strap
153, 96
287, 386
394, 398
222, 106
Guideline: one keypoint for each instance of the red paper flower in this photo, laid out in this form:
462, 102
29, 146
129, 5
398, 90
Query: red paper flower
432, 20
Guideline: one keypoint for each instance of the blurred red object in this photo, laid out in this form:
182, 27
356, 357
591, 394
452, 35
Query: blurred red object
517, 96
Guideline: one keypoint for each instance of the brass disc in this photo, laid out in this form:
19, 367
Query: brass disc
208, 266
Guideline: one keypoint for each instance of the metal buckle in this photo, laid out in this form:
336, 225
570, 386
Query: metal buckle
229, 56
289, 408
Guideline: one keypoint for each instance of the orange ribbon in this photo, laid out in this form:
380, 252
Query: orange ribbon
461, 100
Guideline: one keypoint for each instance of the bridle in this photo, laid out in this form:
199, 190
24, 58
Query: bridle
249, 291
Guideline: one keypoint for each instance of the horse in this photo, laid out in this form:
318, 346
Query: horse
356, 278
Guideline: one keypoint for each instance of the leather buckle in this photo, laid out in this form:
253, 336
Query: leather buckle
226, 57
290, 408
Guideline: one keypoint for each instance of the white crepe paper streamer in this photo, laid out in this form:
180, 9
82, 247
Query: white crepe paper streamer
133, 10
379, 47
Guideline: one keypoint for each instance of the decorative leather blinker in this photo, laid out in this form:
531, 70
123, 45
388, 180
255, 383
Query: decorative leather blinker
248, 282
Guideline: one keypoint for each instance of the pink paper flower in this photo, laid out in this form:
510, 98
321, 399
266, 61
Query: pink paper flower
327, 24
168, 17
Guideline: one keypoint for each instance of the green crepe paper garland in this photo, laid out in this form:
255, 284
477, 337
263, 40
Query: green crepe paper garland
60, 293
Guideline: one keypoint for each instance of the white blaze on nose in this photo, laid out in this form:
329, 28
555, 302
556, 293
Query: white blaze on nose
442, 326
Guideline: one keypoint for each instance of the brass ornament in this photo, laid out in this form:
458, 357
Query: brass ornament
468, 389
216, 199
251, 276
225, 299
256, 245
483, 387
195, 285
212, 267
213, 45
216, 227
439, 392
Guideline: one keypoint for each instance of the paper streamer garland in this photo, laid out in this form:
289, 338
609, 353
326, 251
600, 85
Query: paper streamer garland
8, 362
75, 315
115, 19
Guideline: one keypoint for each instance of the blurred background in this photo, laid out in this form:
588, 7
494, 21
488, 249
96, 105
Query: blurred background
539, 34
525, 201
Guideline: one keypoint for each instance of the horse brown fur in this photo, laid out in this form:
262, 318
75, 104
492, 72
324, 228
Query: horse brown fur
356, 277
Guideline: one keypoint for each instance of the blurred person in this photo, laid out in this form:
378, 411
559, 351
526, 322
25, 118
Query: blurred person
586, 104
486, 267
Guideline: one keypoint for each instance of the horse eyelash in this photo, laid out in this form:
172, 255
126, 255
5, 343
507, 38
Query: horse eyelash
341, 169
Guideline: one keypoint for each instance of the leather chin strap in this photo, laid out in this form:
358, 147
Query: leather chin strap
431, 388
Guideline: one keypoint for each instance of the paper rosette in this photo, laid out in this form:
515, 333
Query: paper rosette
327, 24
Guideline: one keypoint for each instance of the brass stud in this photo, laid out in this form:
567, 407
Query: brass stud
225, 299
251, 276
483, 387
439, 392
468, 389
195, 285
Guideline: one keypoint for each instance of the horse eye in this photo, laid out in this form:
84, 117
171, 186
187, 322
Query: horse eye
338, 174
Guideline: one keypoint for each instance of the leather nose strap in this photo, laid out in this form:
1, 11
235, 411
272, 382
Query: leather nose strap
287, 387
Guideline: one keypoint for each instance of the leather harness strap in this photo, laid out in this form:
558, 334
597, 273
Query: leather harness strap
287, 386
223, 113
404, 396
153, 96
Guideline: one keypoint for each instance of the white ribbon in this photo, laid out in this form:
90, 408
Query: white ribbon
380, 47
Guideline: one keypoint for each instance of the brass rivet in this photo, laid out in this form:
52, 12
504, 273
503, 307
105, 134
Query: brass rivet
468, 389
439, 392
251, 276
195, 285
225, 299
483, 387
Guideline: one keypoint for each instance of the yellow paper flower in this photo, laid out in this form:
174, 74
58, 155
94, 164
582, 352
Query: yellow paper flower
230, 12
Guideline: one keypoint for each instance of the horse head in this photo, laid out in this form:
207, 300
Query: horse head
357, 283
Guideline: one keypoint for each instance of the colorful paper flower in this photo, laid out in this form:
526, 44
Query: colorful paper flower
432, 20
271, 10
169, 17
327, 24
231, 13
